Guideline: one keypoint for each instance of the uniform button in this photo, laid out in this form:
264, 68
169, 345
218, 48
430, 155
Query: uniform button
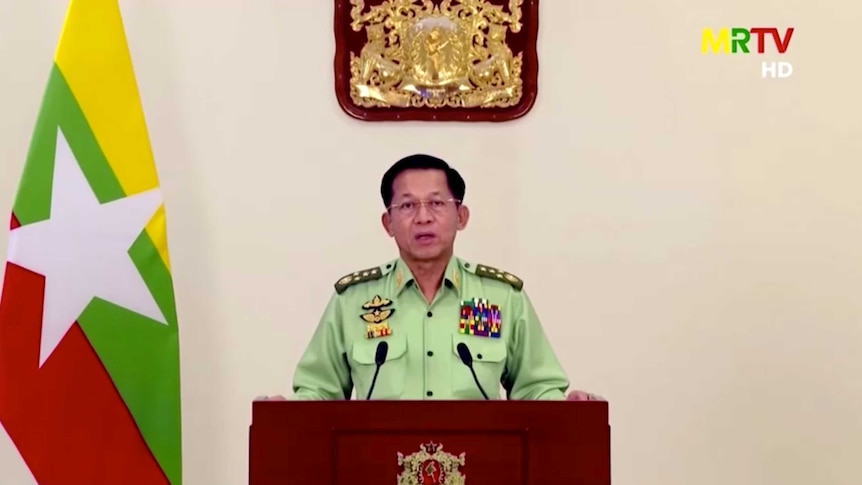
479, 356
429, 393
430, 353
430, 314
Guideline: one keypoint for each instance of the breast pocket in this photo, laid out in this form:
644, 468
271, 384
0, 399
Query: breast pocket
489, 363
390, 379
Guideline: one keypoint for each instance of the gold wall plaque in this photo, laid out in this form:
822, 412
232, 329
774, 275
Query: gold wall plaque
465, 60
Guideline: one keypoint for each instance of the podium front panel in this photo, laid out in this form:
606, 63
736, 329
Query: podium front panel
476, 442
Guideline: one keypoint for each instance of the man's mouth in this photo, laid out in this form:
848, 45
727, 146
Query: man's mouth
425, 237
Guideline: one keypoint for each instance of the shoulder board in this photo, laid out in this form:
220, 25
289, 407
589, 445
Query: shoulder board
496, 274
356, 277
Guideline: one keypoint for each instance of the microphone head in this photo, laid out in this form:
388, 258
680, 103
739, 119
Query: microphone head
382, 350
464, 353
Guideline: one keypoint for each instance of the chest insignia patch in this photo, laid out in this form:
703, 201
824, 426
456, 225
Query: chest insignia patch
376, 316
480, 318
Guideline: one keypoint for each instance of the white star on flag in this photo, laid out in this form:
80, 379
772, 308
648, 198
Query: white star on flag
82, 250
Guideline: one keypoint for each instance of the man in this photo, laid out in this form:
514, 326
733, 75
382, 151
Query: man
428, 316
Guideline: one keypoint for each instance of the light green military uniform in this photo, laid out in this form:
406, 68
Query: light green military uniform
385, 304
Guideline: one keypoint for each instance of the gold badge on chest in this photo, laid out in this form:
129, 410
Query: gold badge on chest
376, 317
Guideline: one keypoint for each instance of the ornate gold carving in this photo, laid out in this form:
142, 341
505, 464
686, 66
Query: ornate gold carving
431, 466
419, 54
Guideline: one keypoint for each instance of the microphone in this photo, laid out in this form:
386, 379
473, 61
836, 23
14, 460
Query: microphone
379, 359
467, 359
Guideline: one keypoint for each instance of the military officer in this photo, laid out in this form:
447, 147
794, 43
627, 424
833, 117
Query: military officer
429, 324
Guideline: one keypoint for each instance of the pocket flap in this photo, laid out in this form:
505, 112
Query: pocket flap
364, 351
483, 349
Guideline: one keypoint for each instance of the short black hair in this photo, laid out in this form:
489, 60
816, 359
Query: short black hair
423, 162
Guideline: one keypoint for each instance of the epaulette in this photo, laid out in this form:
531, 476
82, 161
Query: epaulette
356, 277
496, 274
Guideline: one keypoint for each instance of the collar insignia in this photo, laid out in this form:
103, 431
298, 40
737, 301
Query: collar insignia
399, 278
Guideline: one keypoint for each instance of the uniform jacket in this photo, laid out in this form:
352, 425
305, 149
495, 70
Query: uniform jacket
481, 307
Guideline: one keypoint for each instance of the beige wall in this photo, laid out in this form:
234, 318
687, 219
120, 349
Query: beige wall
689, 231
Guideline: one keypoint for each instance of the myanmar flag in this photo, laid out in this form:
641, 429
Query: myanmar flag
89, 357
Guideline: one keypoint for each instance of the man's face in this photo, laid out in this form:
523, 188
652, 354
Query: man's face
423, 216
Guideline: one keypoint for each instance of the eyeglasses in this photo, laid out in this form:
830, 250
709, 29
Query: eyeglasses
410, 207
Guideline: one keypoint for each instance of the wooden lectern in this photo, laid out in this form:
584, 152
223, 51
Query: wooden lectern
429, 443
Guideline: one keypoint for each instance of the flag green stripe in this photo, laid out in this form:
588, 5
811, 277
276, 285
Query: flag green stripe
33, 201
140, 355
59, 109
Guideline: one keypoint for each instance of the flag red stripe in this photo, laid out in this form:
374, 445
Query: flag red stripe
66, 419
13, 223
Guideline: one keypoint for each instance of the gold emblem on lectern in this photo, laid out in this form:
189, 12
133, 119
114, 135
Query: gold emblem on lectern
431, 466
419, 54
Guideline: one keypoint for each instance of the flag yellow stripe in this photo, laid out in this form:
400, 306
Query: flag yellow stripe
93, 56
94, 59
157, 230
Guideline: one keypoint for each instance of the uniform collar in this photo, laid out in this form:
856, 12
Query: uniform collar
402, 277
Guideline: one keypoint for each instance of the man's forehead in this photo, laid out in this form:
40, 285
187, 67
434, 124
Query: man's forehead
420, 195
420, 186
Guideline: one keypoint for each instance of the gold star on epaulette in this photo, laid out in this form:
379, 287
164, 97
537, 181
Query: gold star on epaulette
351, 279
496, 274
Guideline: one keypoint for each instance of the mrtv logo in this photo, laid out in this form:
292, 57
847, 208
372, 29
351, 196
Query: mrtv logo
765, 41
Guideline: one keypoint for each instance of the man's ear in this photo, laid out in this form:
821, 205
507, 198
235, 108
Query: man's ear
386, 221
463, 216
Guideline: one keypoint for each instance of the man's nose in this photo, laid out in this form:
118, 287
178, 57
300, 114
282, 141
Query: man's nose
423, 213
